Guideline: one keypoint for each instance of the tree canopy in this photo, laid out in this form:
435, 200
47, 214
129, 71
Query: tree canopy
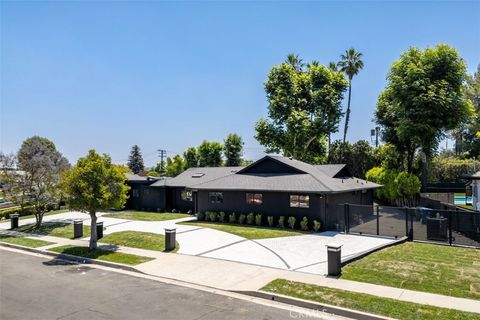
191, 157
233, 149
135, 160
175, 166
359, 157
36, 181
210, 154
424, 97
95, 184
304, 107
471, 133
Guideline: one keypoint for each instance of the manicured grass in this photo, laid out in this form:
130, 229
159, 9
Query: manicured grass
137, 239
100, 254
54, 229
49, 213
365, 302
32, 243
249, 232
433, 268
146, 216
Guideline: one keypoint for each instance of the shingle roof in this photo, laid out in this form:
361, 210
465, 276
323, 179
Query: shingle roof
330, 169
312, 179
194, 176
136, 178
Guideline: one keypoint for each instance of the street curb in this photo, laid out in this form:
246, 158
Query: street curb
320, 307
70, 257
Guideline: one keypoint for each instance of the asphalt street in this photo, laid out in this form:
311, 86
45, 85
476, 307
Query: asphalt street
34, 287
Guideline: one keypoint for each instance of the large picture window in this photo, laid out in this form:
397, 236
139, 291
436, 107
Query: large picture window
299, 201
254, 198
215, 197
186, 195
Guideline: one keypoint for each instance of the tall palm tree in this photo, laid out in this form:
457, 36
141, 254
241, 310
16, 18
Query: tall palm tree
351, 63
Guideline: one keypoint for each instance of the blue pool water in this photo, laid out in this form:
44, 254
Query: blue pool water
463, 200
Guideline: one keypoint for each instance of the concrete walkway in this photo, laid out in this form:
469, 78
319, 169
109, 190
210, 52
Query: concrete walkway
235, 276
305, 253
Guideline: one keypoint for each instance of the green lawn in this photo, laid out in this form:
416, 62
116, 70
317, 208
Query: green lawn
32, 243
365, 302
100, 254
249, 232
146, 216
433, 268
54, 229
49, 213
137, 239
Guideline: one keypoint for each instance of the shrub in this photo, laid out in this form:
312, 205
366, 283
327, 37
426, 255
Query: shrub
200, 216
232, 218
258, 219
241, 219
250, 218
221, 216
173, 210
270, 221
281, 222
291, 222
213, 216
316, 225
304, 224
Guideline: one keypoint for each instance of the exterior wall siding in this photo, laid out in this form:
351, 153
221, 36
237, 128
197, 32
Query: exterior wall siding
274, 204
149, 198
174, 200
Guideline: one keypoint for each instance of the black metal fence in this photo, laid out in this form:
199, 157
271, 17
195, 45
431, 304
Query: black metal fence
452, 227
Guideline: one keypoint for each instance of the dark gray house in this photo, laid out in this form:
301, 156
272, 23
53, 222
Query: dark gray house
273, 185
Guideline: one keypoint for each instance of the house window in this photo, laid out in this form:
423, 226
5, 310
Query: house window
299, 201
135, 193
254, 198
186, 195
215, 197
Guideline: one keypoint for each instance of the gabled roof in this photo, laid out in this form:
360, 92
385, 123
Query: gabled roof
333, 170
303, 178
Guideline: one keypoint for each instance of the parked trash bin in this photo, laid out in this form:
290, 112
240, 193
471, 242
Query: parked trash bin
437, 229
334, 252
14, 220
170, 239
99, 230
77, 229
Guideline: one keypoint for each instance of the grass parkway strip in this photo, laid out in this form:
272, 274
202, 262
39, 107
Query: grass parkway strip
138, 239
432, 268
105, 255
26, 242
365, 302
54, 229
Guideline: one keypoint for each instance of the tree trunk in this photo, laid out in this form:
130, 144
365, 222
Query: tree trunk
424, 170
93, 231
347, 116
38, 219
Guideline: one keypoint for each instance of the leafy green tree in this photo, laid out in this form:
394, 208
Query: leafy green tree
233, 149
359, 157
175, 166
408, 186
40, 166
210, 154
95, 184
471, 133
304, 107
424, 97
135, 160
351, 63
153, 173
388, 157
191, 157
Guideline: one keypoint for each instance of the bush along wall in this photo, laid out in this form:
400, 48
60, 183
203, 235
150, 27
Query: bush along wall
253, 219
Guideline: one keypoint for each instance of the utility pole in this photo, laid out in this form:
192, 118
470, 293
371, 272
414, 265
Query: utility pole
162, 154
374, 133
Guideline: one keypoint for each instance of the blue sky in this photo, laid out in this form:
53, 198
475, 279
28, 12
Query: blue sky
107, 75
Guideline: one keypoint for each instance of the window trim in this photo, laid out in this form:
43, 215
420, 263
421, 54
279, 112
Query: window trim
256, 199
301, 198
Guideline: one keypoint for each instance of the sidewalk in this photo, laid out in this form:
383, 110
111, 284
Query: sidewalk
235, 276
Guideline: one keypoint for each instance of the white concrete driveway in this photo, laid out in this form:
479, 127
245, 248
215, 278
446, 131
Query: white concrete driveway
305, 253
